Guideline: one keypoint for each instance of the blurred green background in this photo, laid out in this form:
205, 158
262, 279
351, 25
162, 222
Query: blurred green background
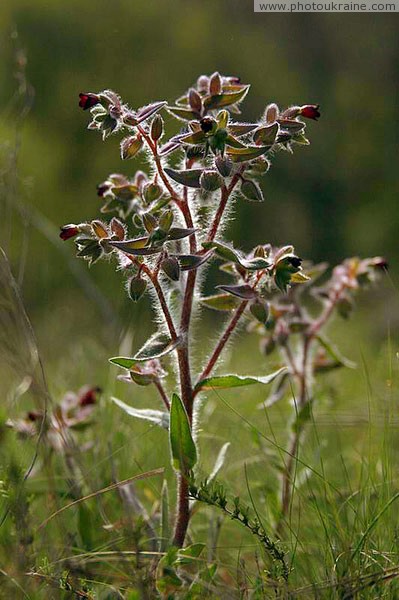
337, 197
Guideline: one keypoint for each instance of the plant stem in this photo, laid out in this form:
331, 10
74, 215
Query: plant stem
223, 341
183, 511
162, 393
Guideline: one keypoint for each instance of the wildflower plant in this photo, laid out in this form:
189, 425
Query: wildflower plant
163, 228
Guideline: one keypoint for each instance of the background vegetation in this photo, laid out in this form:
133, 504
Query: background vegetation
336, 198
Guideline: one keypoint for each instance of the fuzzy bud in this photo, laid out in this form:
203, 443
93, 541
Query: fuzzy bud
224, 165
271, 113
260, 310
136, 288
88, 100
171, 267
211, 180
130, 146
157, 128
68, 231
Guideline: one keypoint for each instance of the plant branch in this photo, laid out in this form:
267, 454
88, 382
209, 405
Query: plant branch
162, 393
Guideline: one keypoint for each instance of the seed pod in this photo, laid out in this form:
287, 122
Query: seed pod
170, 266
211, 180
136, 288
166, 220
130, 146
149, 222
260, 310
224, 165
157, 128
251, 191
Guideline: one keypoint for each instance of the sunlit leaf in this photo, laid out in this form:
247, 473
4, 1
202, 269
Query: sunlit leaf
246, 292
189, 177
149, 110
158, 345
266, 135
123, 362
247, 153
184, 114
158, 417
222, 302
225, 99
184, 452
219, 382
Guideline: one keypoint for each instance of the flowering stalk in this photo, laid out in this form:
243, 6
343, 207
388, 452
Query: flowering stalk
170, 223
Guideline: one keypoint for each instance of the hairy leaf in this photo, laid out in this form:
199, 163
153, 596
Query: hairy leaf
241, 291
154, 416
266, 135
123, 362
221, 302
184, 452
232, 381
158, 345
247, 153
225, 99
189, 177
149, 110
184, 114
178, 233
192, 261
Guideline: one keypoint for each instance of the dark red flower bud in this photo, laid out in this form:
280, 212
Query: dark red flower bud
89, 396
310, 111
69, 231
88, 100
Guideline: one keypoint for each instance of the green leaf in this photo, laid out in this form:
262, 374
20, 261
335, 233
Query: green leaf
335, 353
158, 345
130, 247
228, 253
247, 153
154, 416
147, 111
246, 292
184, 114
123, 362
189, 554
224, 99
233, 142
189, 177
221, 302
266, 135
252, 191
239, 129
197, 137
192, 261
178, 233
184, 452
231, 381
85, 526
165, 529
291, 126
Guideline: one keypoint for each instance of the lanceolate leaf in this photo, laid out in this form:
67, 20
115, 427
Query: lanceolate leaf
158, 345
247, 153
335, 353
123, 362
239, 129
228, 253
149, 110
183, 113
178, 233
165, 530
192, 261
222, 100
189, 177
266, 135
197, 137
221, 302
241, 291
231, 381
154, 416
184, 452
130, 248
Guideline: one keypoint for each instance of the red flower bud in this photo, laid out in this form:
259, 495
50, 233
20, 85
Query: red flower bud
88, 100
89, 396
69, 231
310, 111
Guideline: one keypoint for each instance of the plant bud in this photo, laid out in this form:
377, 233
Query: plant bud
224, 165
251, 191
166, 220
211, 180
149, 222
260, 310
88, 100
271, 113
171, 267
68, 231
99, 229
157, 128
195, 100
223, 119
130, 146
260, 252
136, 288
310, 111
203, 83
151, 192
